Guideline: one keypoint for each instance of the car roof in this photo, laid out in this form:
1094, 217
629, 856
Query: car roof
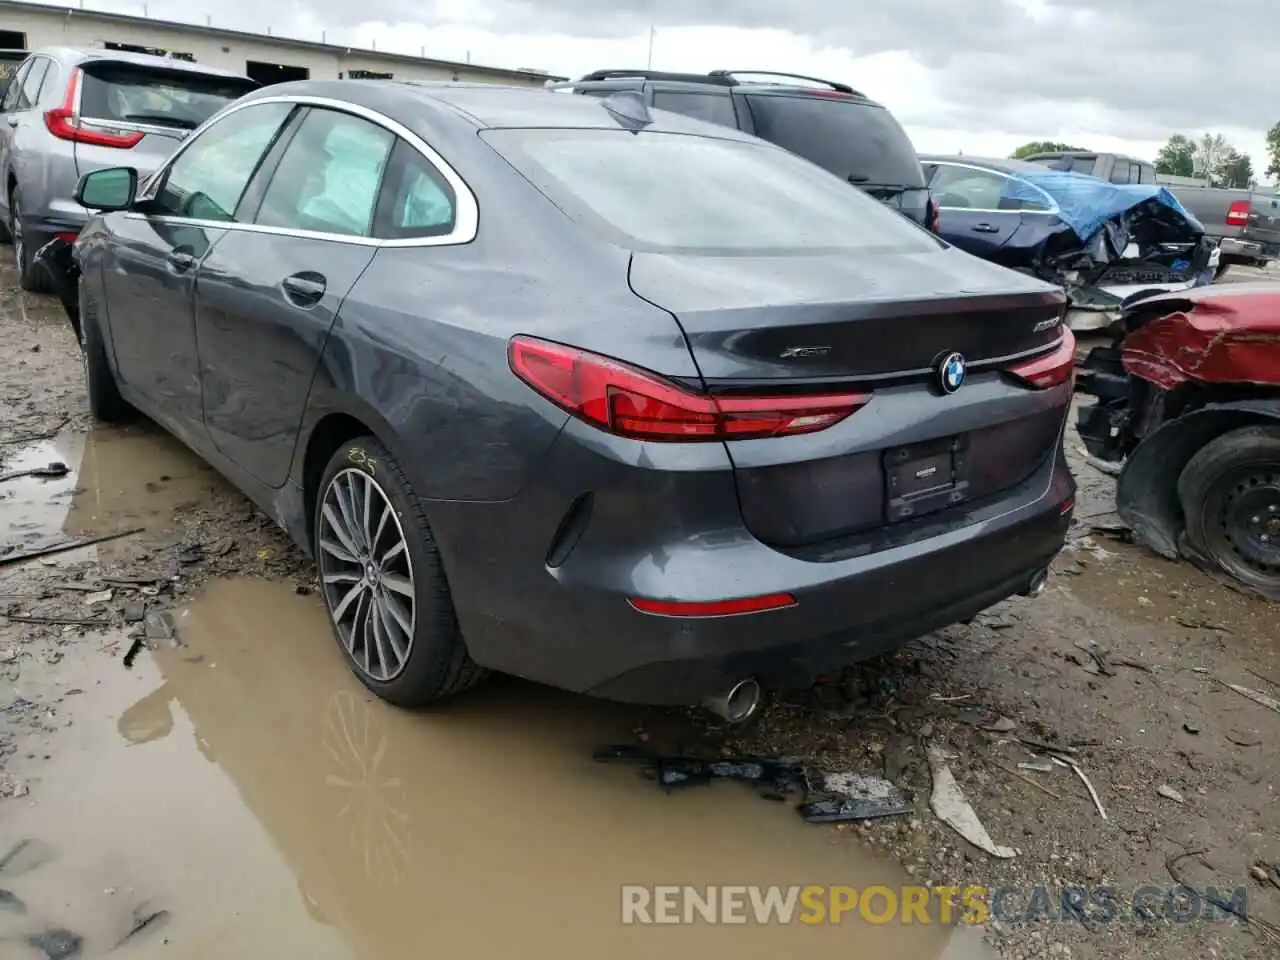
84, 55
999, 164
490, 105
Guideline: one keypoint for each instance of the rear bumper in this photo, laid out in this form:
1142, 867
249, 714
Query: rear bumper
571, 626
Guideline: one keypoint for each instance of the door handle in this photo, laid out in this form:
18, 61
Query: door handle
985, 228
180, 260
304, 289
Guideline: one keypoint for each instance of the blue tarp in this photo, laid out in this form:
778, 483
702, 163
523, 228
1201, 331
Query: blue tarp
1087, 204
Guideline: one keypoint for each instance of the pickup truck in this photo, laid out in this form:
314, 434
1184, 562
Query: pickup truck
1244, 223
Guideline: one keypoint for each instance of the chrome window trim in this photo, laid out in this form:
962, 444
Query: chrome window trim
1053, 204
466, 215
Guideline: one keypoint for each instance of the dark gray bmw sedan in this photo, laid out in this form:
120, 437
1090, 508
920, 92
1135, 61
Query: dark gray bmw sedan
611, 399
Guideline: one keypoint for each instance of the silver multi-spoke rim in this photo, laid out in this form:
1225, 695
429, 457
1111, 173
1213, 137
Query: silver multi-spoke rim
367, 574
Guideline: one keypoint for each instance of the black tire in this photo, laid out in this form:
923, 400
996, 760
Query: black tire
1230, 496
106, 405
31, 278
437, 664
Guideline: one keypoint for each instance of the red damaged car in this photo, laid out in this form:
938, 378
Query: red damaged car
1188, 399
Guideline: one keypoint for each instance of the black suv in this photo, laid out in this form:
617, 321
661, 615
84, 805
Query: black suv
826, 122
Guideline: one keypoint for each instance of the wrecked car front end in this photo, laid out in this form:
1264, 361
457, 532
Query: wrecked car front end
1188, 400
1113, 244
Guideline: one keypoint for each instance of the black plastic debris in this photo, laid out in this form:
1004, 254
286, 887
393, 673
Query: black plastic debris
827, 797
855, 796
51, 470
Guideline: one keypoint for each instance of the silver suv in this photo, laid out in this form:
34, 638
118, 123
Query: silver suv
69, 111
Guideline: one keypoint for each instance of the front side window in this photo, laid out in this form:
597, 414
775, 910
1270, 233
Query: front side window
677, 193
1120, 171
14, 90
207, 179
329, 176
967, 188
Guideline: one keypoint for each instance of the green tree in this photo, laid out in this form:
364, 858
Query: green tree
1235, 170
1273, 151
1177, 157
1043, 146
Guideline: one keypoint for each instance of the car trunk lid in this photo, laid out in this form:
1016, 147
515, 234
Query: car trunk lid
916, 455
867, 318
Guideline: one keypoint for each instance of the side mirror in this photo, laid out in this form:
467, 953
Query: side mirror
112, 189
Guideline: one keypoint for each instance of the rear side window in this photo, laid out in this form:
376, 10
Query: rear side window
712, 107
117, 91
329, 176
208, 178
416, 201
1120, 171
31, 84
853, 140
676, 193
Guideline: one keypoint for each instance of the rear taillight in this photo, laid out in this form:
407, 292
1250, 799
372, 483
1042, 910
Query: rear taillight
1051, 369
631, 402
935, 216
1238, 213
64, 123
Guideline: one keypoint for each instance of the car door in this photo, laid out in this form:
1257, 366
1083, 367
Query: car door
18, 106
149, 271
267, 296
969, 203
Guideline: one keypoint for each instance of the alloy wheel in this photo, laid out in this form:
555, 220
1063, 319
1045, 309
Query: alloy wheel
366, 574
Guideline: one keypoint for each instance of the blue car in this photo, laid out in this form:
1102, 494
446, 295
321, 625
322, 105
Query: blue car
1101, 241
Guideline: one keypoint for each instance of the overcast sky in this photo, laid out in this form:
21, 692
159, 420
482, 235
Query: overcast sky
980, 76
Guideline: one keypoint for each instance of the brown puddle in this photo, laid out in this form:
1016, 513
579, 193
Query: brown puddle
121, 478
245, 783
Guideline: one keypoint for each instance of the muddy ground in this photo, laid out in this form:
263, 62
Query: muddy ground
186, 768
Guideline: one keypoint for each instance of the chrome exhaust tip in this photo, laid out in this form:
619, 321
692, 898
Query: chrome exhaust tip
1035, 586
736, 704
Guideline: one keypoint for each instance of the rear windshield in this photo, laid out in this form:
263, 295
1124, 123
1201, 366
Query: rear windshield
681, 193
176, 99
849, 138
1083, 165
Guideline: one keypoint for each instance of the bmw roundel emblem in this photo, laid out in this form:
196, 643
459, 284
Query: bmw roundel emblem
951, 373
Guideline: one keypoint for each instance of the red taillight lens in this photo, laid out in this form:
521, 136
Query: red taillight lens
64, 124
1052, 369
1238, 213
631, 402
713, 608
66, 237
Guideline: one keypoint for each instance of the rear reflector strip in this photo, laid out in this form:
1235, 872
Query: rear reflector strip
713, 608
1066, 506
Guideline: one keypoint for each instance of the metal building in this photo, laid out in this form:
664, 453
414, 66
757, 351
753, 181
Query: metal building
267, 59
